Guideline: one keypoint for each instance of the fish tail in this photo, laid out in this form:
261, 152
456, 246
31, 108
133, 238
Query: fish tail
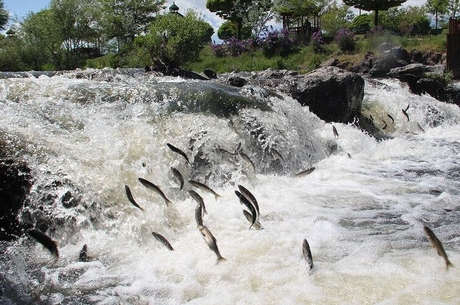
448, 264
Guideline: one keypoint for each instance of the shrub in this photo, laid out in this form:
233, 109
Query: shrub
236, 47
219, 50
278, 43
345, 40
317, 42
361, 24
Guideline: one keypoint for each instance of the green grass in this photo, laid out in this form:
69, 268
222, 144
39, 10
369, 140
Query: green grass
306, 60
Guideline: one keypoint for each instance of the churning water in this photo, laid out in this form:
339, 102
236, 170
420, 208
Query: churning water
362, 210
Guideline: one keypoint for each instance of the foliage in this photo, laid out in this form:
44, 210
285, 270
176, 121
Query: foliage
234, 11
335, 17
437, 7
219, 50
278, 43
317, 42
9, 56
406, 21
229, 29
176, 40
260, 13
453, 7
126, 19
361, 24
375, 5
3, 16
444, 78
345, 40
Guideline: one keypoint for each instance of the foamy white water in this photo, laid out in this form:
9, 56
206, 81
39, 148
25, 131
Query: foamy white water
362, 210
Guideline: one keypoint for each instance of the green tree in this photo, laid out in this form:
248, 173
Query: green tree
361, 24
335, 17
3, 16
374, 5
436, 7
234, 11
259, 15
453, 7
175, 39
229, 29
411, 20
126, 19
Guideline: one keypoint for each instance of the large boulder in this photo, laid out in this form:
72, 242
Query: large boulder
15, 183
333, 94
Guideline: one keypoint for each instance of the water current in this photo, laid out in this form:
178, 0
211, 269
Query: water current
362, 209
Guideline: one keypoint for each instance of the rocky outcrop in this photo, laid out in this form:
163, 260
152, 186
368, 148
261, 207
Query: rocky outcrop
15, 183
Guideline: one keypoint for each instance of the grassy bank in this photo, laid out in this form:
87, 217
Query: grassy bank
306, 60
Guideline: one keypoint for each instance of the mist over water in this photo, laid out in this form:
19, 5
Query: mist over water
362, 209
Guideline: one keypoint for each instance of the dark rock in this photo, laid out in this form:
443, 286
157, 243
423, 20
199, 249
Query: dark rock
15, 183
400, 53
333, 94
384, 64
210, 74
236, 81
331, 62
384, 47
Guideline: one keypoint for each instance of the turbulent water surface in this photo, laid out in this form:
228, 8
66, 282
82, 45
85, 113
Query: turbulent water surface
362, 209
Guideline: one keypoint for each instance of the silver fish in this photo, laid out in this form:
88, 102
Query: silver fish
154, 188
211, 241
334, 130
131, 198
277, 154
404, 111
199, 215
204, 187
384, 126
307, 254
436, 243
163, 240
246, 193
178, 151
248, 161
83, 256
248, 216
423, 130
47, 242
198, 199
178, 176
249, 205
306, 172
392, 120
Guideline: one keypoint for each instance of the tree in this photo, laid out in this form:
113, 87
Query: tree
175, 39
374, 5
259, 14
336, 17
437, 7
229, 29
453, 7
234, 11
361, 24
3, 16
126, 19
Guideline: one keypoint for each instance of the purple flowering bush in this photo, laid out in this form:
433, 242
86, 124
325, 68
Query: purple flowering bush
278, 43
317, 42
345, 40
219, 50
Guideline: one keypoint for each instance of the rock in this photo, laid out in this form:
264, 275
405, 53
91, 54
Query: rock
210, 74
400, 53
333, 94
15, 183
330, 62
384, 47
384, 64
236, 81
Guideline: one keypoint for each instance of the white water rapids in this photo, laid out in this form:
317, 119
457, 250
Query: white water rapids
362, 210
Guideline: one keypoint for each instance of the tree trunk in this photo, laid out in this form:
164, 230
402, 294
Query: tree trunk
376, 18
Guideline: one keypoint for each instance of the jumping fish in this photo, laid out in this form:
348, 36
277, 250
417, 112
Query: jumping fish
249, 205
83, 256
178, 151
47, 242
211, 241
307, 254
131, 198
163, 240
277, 154
178, 176
334, 130
154, 188
199, 215
246, 193
248, 161
392, 120
423, 130
203, 187
198, 199
306, 172
248, 216
384, 126
436, 243
404, 111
